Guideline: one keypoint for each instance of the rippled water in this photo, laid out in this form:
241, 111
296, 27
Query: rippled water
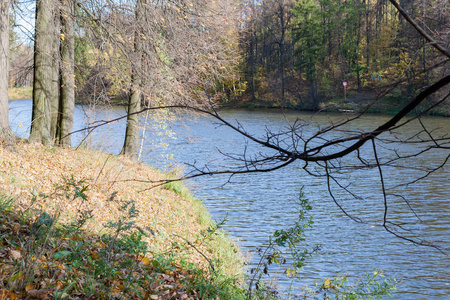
256, 205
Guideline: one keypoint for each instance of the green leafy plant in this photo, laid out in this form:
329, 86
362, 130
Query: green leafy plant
282, 243
373, 286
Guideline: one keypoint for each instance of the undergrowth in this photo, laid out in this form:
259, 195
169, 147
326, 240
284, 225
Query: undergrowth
42, 258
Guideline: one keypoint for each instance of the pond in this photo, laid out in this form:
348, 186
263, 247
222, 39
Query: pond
254, 206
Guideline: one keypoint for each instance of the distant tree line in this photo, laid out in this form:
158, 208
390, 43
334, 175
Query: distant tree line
299, 53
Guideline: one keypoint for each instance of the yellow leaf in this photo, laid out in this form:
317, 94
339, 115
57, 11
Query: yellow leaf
59, 285
20, 125
30, 287
62, 36
145, 261
327, 283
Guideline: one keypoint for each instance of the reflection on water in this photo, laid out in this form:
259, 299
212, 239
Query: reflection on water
256, 205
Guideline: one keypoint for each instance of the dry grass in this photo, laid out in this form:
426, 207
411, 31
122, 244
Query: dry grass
32, 175
20, 93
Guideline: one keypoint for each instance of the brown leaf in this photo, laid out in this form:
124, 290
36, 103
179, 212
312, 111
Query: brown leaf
59, 285
15, 254
30, 287
4, 294
43, 294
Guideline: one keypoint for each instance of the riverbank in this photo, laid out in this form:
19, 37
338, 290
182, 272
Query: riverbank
353, 103
70, 215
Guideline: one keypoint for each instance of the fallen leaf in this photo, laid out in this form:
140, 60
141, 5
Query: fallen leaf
43, 294
145, 261
59, 285
15, 254
30, 287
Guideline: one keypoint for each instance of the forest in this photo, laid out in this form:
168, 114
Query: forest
293, 54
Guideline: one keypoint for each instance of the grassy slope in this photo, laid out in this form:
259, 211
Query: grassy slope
48, 183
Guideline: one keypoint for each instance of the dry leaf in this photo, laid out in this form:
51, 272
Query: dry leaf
43, 294
30, 287
59, 285
15, 254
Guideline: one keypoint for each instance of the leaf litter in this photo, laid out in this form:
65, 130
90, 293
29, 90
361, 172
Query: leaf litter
132, 242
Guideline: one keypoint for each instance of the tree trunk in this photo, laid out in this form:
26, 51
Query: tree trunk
67, 90
6, 135
43, 73
131, 144
252, 62
55, 101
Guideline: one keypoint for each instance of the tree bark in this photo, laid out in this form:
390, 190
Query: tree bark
55, 101
131, 144
6, 135
67, 90
43, 73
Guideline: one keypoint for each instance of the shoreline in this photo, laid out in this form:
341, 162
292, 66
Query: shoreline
353, 104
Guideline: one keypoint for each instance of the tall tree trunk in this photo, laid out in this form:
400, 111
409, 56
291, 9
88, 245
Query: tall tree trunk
6, 135
131, 144
67, 90
283, 27
252, 62
358, 39
55, 105
43, 73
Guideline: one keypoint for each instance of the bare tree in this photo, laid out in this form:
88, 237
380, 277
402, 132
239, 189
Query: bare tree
164, 52
337, 149
6, 135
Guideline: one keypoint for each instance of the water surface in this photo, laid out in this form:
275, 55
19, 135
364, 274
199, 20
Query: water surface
258, 204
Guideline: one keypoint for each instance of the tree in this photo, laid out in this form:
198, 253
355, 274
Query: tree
66, 102
6, 135
43, 93
131, 144
164, 53
308, 33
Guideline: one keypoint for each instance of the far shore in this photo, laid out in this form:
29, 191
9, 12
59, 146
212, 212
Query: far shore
352, 104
